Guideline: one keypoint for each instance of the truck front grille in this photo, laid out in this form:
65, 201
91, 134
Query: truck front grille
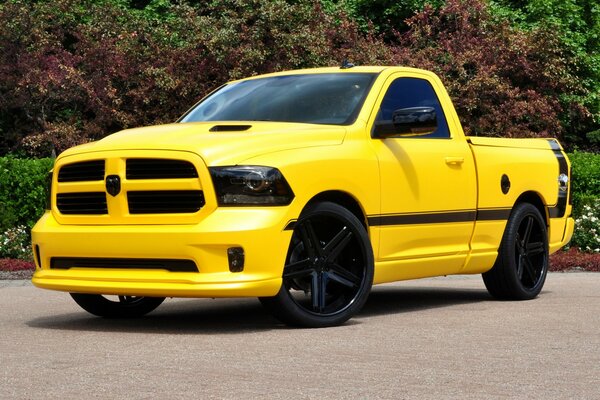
143, 190
82, 203
165, 201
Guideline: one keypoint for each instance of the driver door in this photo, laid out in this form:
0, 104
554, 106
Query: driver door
428, 185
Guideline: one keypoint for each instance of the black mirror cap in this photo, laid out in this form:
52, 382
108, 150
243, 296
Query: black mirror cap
413, 121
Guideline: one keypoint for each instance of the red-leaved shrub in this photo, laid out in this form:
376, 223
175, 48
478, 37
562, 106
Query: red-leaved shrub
573, 259
10, 264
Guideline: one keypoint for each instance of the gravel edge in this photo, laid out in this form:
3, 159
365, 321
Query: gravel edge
16, 275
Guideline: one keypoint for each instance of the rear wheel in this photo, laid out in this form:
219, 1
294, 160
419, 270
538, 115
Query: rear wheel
329, 269
522, 264
119, 307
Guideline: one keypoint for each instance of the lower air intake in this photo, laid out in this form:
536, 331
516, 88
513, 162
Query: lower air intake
124, 263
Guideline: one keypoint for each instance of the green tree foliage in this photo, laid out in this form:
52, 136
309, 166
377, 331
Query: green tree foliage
385, 16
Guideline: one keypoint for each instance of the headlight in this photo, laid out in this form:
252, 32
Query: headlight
250, 185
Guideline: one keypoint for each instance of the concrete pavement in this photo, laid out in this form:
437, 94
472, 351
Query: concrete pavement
441, 338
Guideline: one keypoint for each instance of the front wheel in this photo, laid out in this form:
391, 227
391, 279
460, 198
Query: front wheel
329, 269
522, 264
120, 307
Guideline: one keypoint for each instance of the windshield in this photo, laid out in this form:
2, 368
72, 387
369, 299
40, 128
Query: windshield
310, 98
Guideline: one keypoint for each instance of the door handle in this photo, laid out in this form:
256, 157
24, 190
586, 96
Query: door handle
454, 160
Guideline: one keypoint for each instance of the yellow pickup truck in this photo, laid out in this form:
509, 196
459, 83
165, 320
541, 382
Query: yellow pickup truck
303, 188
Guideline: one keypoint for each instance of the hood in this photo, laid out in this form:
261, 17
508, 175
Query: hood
219, 143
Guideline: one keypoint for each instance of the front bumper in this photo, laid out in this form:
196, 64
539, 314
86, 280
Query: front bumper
259, 231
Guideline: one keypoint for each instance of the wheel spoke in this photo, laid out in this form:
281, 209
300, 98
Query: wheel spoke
340, 279
520, 268
345, 274
535, 248
129, 299
125, 299
310, 240
318, 289
333, 249
298, 269
322, 297
528, 266
520, 244
528, 229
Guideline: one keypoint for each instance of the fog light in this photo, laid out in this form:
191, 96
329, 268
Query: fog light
235, 255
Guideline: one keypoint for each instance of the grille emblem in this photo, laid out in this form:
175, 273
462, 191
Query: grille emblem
113, 185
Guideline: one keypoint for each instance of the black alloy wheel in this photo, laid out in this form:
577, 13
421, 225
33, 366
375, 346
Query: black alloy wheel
329, 269
120, 307
522, 264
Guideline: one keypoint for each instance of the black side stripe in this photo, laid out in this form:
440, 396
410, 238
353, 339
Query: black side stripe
431, 218
492, 214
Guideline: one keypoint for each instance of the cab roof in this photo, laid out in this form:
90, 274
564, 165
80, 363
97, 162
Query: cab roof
337, 70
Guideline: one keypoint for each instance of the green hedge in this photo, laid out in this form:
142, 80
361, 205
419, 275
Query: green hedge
23, 190
585, 179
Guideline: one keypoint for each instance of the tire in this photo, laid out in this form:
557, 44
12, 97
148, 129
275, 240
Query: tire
328, 272
522, 264
123, 307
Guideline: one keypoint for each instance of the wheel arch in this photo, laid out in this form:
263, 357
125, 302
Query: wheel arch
536, 200
343, 199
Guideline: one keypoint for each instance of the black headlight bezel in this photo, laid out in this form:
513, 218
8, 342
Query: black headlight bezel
250, 185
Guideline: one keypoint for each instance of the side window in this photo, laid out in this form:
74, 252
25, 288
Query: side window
413, 92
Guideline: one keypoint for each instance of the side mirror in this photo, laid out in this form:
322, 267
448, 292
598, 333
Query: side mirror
414, 121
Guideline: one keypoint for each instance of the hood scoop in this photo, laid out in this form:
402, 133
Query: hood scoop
230, 128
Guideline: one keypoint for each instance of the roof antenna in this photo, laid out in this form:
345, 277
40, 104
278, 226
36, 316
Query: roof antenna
346, 64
